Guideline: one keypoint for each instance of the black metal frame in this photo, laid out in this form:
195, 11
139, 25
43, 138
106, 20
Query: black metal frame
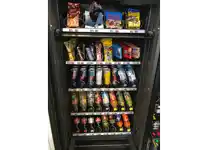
59, 81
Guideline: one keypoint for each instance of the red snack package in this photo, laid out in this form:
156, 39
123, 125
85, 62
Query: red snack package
127, 51
135, 50
73, 14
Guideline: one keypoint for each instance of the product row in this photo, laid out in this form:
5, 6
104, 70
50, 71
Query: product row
103, 76
102, 50
96, 17
111, 123
101, 101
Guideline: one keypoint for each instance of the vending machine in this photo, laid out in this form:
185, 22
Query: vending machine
102, 64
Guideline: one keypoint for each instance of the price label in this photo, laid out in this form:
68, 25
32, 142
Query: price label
117, 31
96, 30
76, 30
70, 30
131, 108
115, 109
111, 31
91, 30
93, 62
129, 130
131, 31
121, 129
136, 31
122, 108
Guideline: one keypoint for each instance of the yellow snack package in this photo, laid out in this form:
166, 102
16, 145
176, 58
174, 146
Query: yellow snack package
107, 44
133, 19
70, 45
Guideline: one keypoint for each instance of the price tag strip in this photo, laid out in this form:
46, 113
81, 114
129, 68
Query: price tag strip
100, 113
102, 133
103, 63
101, 89
84, 30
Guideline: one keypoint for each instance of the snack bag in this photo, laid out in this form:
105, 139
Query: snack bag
128, 100
120, 99
91, 76
98, 101
107, 44
75, 102
70, 46
126, 122
117, 51
83, 101
106, 102
122, 76
83, 76
133, 19
99, 47
105, 123
90, 99
119, 123
80, 52
73, 15
113, 101
99, 75
74, 72
113, 20
114, 76
127, 51
131, 76
135, 50
107, 74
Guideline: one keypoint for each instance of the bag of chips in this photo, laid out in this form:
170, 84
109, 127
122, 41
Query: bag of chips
73, 15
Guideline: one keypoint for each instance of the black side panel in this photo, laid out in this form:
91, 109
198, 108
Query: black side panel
147, 78
53, 116
58, 75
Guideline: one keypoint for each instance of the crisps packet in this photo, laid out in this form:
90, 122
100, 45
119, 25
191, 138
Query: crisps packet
73, 15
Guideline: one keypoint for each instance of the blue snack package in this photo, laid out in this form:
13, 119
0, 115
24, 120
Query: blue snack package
117, 51
113, 20
131, 75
